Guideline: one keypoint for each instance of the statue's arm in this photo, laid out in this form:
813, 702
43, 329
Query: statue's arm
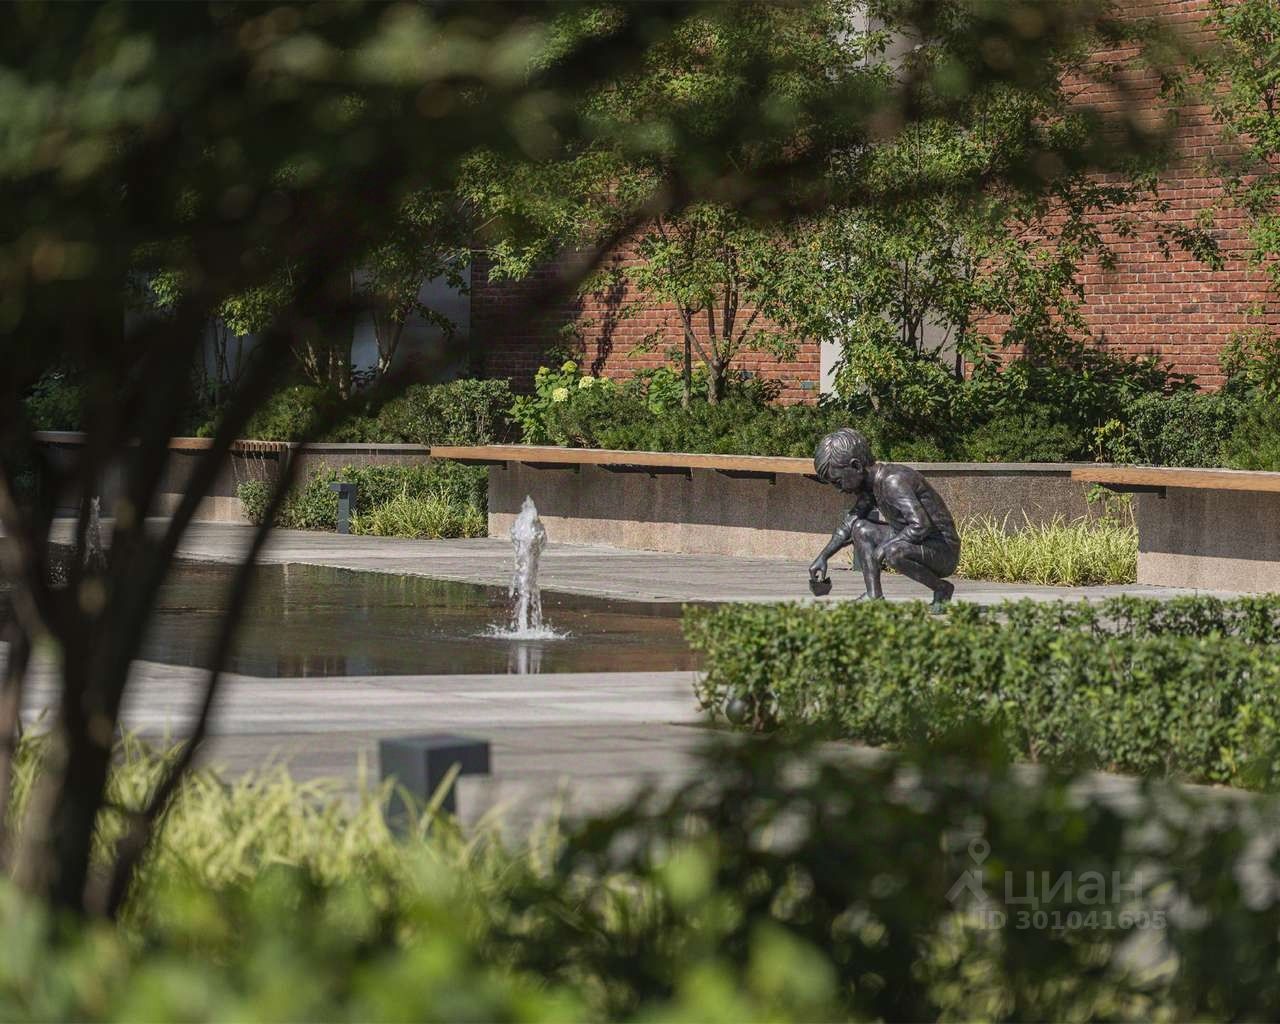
842, 537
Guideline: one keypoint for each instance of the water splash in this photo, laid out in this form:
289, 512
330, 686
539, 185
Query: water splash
529, 537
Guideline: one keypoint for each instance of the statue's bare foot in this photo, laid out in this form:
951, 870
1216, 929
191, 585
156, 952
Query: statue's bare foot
941, 596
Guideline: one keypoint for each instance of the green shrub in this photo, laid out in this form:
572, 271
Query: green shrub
1030, 436
429, 516
459, 412
1083, 387
254, 495
1188, 687
54, 403
1186, 428
435, 499
1078, 553
553, 388
1251, 361
783, 882
1074, 407
1255, 441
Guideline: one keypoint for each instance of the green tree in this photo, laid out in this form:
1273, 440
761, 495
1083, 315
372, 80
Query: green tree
429, 239
727, 275
728, 279
955, 250
244, 141
1240, 83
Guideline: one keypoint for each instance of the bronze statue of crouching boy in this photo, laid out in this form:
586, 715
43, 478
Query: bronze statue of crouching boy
897, 520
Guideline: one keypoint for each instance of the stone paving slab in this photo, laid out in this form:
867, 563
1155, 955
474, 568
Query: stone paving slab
577, 741
562, 744
596, 737
595, 571
538, 772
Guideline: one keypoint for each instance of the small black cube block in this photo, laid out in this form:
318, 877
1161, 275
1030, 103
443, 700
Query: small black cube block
820, 588
420, 763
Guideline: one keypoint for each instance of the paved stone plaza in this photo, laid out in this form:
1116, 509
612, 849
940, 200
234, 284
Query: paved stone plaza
591, 738
596, 571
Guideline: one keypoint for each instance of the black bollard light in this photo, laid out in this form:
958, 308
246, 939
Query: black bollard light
346, 505
420, 763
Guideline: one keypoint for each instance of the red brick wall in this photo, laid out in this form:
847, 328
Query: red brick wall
1176, 308
604, 339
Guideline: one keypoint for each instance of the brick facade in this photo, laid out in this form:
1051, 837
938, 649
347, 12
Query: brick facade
603, 338
1175, 308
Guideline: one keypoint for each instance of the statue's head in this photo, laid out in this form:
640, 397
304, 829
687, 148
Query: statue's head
842, 459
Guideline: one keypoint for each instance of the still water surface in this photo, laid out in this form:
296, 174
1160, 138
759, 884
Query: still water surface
318, 621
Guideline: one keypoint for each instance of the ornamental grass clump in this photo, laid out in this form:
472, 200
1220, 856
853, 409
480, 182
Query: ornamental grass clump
782, 881
429, 517
1187, 688
1068, 553
433, 500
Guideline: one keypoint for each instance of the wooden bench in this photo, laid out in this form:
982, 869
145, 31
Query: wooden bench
1213, 528
761, 506
654, 463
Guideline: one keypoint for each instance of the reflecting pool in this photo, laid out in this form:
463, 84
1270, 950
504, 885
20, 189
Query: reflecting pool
317, 621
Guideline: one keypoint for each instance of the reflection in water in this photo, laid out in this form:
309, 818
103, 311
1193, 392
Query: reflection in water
317, 621
525, 657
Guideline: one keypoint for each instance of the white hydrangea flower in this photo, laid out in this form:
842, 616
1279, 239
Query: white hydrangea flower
560, 395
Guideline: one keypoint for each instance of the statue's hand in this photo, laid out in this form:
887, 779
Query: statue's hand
818, 570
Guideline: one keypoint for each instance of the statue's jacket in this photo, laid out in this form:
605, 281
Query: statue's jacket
909, 505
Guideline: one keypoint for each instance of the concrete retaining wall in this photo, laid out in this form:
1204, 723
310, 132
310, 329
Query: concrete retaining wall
222, 503
703, 511
707, 512
1215, 539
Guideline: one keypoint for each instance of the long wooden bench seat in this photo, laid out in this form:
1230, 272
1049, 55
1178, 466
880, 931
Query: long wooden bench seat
1212, 528
549, 455
1148, 477
763, 506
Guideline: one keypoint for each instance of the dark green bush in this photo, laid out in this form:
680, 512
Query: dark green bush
1188, 687
1186, 428
291, 414
313, 506
1083, 387
459, 412
1041, 411
1030, 436
54, 404
1255, 441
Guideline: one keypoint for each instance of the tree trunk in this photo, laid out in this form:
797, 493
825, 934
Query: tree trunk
715, 382
686, 371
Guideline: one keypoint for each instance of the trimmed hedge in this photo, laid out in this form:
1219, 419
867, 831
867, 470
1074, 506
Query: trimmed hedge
1188, 688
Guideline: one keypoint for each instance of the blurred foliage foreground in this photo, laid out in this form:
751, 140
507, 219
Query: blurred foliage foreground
786, 882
